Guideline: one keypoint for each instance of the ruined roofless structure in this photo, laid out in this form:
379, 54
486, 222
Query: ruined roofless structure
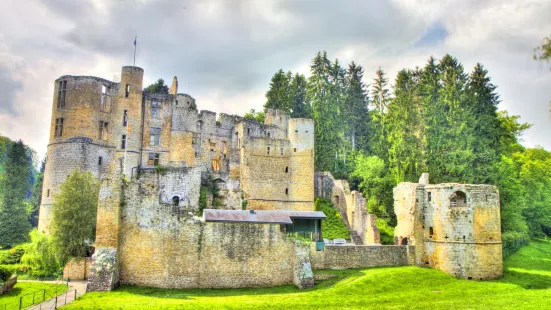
97, 124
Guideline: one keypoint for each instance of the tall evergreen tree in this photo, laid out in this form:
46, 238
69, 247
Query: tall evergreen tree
483, 100
354, 113
300, 107
404, 131
36, 196
279, 94
15, 182
380, 97
324, 112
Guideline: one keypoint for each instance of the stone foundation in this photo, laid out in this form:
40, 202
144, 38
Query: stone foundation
361, 256
77, 269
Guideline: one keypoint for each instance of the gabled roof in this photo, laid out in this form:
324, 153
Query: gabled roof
260, 216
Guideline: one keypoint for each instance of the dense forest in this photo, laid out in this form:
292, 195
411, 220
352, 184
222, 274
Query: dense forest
20, 191
439, 118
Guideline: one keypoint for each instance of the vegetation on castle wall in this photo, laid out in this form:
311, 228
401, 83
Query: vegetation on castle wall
203, 192
386, 231
332, 227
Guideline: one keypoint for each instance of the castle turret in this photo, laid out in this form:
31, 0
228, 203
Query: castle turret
301, 163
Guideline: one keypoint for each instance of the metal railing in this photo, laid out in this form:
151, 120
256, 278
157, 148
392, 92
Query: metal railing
60, 300
34, 298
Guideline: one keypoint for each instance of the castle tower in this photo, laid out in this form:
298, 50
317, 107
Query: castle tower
81, 113
127, 120
301, 163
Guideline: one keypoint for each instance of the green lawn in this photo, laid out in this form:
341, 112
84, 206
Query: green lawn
526, 285
27, 290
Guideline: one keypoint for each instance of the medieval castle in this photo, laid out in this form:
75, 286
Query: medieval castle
152, 152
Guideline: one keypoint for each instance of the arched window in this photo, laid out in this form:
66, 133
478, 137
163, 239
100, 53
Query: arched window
175, 201
199, 125
336, 199
458, 199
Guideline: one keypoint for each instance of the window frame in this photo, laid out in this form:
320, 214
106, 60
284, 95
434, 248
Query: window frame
156, 110
58, 129
154, 136
153, 159
62, 94
103, 130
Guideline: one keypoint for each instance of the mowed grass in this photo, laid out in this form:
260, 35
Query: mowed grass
525, 285
26, 290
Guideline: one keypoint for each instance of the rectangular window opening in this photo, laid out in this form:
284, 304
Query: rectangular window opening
155, 136
126, 91
155, 110
61, 94
58, 127
153, 159
268, 150
100, 161
48, 193
103, 130
431, 231
295, 150
281, 151
123, 142
430, 196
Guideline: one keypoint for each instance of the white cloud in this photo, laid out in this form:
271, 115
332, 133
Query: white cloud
225, 52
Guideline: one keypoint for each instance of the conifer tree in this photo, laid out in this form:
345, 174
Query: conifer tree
380, 96
404, 131
279, 94
300, 108
354, 113
324, 112
15, 182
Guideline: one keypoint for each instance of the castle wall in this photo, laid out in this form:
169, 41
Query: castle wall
169, 247
361, 256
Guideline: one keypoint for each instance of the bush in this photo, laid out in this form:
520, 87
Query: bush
5, 274
13, 255
17, 268
41, 255
332, 227
512, 241
386, 231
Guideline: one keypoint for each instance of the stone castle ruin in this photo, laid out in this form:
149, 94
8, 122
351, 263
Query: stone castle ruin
154, 152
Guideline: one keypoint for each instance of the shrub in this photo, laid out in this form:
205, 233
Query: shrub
13, 255
5, 274
386, 231
41, 254
332, 227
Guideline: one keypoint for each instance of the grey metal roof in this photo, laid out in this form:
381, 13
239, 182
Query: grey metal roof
260, 216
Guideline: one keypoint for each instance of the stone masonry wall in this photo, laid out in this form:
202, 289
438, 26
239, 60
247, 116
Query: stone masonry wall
77, 269
164, 246
361, 256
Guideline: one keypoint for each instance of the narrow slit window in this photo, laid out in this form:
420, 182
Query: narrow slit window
126, 91
286, 169
286, 191
125, 118
281, 151
431, 231
295, 149
248, 131
100, 161
48, 193
268, 150
123, 142
430, 196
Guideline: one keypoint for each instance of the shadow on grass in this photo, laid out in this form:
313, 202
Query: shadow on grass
339, 275
526, 280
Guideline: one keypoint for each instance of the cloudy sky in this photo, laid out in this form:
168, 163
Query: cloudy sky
224, 52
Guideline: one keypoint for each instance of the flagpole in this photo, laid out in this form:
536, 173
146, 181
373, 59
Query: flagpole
135, 43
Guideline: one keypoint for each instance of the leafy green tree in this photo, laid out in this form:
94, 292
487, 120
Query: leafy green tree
376, 184
300, 108
255, 116
74, 215
158, 87
15, 182
279, 95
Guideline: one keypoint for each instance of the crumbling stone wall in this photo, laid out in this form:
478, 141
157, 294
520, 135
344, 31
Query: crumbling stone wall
351, 205
361, 256
461, 237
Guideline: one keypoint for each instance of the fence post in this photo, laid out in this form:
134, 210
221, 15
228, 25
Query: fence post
55, 306
75, 295
21, 302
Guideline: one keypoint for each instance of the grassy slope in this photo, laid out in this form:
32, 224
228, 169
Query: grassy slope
526, 285
332, 227
24, 288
